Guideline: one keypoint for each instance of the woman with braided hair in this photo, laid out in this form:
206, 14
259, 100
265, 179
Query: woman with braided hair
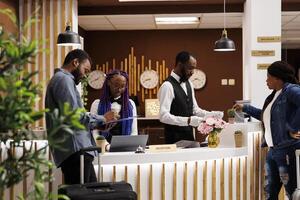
115, 97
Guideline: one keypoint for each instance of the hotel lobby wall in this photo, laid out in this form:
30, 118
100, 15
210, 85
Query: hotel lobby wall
4, 20
104, 46
52, 16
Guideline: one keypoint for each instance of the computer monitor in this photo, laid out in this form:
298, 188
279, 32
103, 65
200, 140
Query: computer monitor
121, 143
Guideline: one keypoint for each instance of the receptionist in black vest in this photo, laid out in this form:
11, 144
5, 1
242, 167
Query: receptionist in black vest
179, 110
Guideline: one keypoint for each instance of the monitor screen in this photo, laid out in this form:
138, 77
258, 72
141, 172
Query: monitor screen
120, 143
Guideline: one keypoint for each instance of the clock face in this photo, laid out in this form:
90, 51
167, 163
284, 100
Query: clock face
149, 79
96, 79
198, 79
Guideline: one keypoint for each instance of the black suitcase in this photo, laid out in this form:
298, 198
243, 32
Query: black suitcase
296, 194
97, 191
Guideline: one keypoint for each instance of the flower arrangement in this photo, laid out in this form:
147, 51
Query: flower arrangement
211, 124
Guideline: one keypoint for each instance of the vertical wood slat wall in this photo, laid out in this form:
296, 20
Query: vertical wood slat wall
52, 16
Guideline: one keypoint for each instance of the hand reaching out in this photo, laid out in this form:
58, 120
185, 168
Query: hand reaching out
295, 135
238, 107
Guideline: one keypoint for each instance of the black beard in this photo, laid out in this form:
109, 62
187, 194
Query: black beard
183, 77
76, 74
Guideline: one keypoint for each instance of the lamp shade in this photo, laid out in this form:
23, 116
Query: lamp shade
68, 38
224, 43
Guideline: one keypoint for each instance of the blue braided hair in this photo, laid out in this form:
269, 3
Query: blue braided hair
105, 103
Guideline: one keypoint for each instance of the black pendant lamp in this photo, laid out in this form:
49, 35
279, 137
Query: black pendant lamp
224, 43
68, 38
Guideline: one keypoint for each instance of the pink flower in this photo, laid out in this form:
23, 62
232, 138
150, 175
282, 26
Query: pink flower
211, 124
205, 128
210, 121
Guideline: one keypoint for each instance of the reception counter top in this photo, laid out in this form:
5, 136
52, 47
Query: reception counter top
226, 149
203, 153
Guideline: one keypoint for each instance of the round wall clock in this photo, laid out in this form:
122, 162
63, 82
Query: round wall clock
198, 79
149, 79
96, 79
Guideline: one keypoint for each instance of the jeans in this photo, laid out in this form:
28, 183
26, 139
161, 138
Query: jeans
280, 168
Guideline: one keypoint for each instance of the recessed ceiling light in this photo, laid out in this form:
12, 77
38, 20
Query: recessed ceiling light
177, 20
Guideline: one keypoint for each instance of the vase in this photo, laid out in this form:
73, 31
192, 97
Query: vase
213, 139
238, 139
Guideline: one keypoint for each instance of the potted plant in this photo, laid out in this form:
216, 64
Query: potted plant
238, 138
18, 96
231, 115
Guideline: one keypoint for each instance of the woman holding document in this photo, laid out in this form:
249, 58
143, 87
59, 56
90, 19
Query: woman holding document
115, 97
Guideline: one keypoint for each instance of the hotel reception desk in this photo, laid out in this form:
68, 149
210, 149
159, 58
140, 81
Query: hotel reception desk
202, 173
225, 172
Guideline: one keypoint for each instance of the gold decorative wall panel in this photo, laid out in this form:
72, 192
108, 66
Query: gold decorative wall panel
134, 67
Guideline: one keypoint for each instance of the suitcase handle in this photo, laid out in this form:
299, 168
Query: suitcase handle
297, 152
81, 152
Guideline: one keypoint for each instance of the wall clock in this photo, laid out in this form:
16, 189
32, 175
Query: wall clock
149, 79
96, 79
198, 79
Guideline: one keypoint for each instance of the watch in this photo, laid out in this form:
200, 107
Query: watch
149, 79
96, 79
198, 79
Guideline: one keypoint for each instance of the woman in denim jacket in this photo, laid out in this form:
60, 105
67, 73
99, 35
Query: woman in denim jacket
281, 120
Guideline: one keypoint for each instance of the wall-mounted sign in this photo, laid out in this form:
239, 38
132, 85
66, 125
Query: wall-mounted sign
263, 53
269, 39
263, 65
152, 107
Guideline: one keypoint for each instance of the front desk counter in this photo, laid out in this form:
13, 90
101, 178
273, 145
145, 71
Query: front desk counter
202, 173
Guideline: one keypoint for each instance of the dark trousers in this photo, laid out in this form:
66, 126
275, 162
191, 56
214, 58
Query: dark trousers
71, 169
280, 169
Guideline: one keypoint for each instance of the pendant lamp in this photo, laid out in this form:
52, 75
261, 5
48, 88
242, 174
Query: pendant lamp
68, 38
224, 43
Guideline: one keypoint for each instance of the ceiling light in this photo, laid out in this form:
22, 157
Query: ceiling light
224, 43
68, 38
177, 20
147, 0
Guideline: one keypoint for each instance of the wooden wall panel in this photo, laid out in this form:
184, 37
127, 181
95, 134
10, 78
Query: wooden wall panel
163, 45
52, 16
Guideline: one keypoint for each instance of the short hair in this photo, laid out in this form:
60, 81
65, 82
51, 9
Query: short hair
183, 57
77, 54
283, 71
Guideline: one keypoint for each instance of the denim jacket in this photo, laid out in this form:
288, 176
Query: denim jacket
285, 115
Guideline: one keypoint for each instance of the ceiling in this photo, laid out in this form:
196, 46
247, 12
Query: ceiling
115, 15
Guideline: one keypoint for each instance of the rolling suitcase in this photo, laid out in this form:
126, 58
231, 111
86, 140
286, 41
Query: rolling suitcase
97, 191
296, 194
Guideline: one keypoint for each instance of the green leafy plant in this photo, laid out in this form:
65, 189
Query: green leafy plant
238, 132
18, 96
230, 113
84, 84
